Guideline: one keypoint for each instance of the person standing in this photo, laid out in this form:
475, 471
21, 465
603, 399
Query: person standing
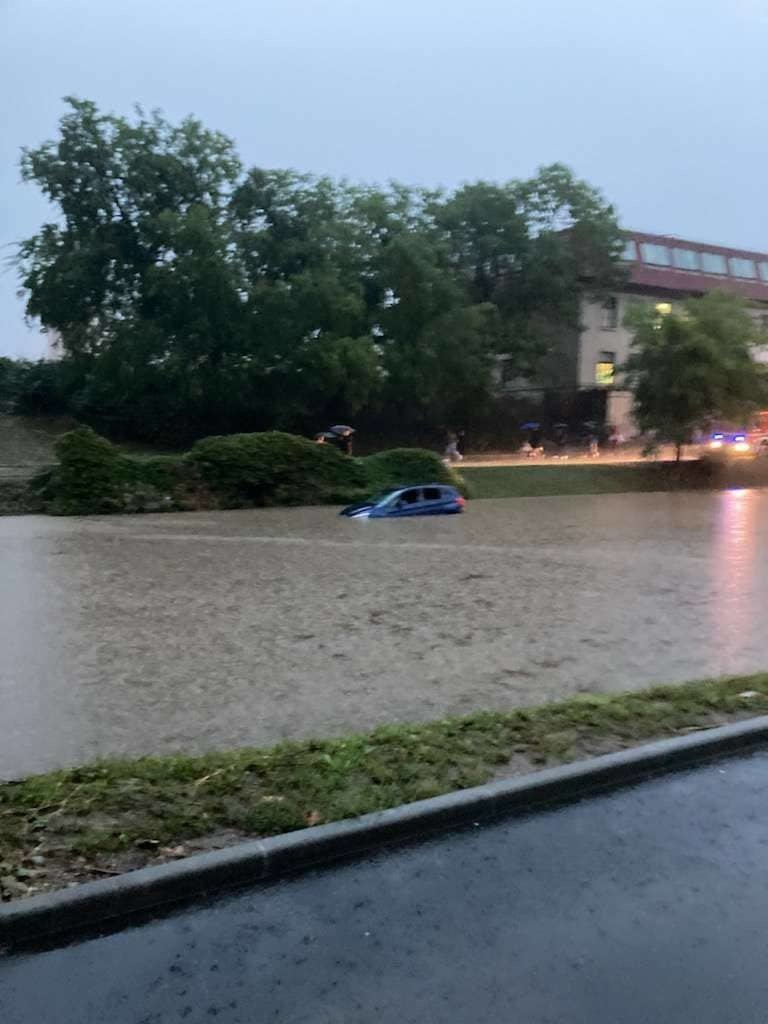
452, 453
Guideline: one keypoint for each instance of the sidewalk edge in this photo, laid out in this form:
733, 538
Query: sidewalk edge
95, 903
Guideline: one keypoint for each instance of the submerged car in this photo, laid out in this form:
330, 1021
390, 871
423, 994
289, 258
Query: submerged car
416, 500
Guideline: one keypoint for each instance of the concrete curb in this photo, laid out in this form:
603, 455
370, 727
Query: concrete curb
112, 900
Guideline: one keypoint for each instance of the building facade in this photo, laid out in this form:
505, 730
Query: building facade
662, 270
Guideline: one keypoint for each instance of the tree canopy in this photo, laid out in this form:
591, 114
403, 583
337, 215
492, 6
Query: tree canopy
694, 366
193, 295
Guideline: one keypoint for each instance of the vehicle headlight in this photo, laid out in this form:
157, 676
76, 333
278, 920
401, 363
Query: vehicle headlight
715, 444
741, 446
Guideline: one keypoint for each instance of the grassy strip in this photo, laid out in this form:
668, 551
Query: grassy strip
545, 480
112, 816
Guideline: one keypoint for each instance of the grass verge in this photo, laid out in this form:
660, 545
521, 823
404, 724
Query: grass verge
546, 480
102, 819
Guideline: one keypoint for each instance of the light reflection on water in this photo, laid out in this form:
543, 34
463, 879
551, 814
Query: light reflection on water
735, 566
128, 635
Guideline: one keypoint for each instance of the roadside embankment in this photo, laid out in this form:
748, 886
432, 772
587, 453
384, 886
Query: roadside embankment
102, 819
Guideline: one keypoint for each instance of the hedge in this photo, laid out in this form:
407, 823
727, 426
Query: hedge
233, 471
406, 466
275, 469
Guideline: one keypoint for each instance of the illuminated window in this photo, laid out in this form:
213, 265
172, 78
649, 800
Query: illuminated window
658, 255
630, 251
685, 259
741, 267
763, 268
610, 314
663, 308
605, 369
713, 263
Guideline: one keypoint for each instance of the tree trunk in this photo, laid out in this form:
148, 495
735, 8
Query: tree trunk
678, 451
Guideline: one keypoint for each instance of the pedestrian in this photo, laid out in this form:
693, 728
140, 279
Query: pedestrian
561, 440
341, 437
452, 453
593, 447
615, 439
345, 443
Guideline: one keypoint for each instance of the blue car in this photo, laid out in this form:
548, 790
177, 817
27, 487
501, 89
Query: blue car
416, 500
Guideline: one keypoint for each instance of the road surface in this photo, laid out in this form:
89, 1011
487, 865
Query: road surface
645, 906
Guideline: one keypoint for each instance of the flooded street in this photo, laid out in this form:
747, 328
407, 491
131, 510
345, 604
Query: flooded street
130, 635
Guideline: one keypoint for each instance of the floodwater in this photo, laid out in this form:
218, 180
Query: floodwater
129, 635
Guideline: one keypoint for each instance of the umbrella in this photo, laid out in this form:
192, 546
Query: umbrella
342, 428
530, 426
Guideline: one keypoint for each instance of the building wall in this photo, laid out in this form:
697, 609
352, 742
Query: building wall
597, 338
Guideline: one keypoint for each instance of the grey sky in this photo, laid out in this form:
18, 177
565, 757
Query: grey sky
660, 103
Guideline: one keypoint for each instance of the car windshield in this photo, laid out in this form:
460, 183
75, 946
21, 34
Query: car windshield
383, 495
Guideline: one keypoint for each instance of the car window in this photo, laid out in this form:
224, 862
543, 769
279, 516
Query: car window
432, 494
409, 497
383, 496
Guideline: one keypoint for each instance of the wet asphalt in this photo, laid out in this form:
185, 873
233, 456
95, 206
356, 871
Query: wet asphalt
646, 905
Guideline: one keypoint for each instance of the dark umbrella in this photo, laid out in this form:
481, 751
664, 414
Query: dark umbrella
530, 426
342, 428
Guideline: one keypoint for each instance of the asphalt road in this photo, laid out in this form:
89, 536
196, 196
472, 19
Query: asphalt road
648, 905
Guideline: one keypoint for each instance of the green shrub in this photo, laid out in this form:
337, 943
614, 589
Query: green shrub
90, 475
274, 469
234, 471
163, 472
407, 466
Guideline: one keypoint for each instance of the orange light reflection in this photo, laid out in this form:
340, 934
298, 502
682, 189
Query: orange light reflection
734, 571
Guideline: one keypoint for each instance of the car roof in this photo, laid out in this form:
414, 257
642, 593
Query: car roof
416, 487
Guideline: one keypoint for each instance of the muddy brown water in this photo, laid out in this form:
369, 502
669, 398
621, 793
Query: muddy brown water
130, 635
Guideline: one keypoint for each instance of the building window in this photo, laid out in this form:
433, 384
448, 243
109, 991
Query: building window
762, 266
630, 251
685, 259
609, 319
658, 255
741, 267
605, 369
713, 263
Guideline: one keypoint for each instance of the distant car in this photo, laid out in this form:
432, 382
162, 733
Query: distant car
728, 444
416, 500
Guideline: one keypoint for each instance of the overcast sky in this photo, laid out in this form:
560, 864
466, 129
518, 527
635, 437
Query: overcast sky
660, 103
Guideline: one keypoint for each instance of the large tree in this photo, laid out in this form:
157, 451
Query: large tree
693, 366
194, 296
